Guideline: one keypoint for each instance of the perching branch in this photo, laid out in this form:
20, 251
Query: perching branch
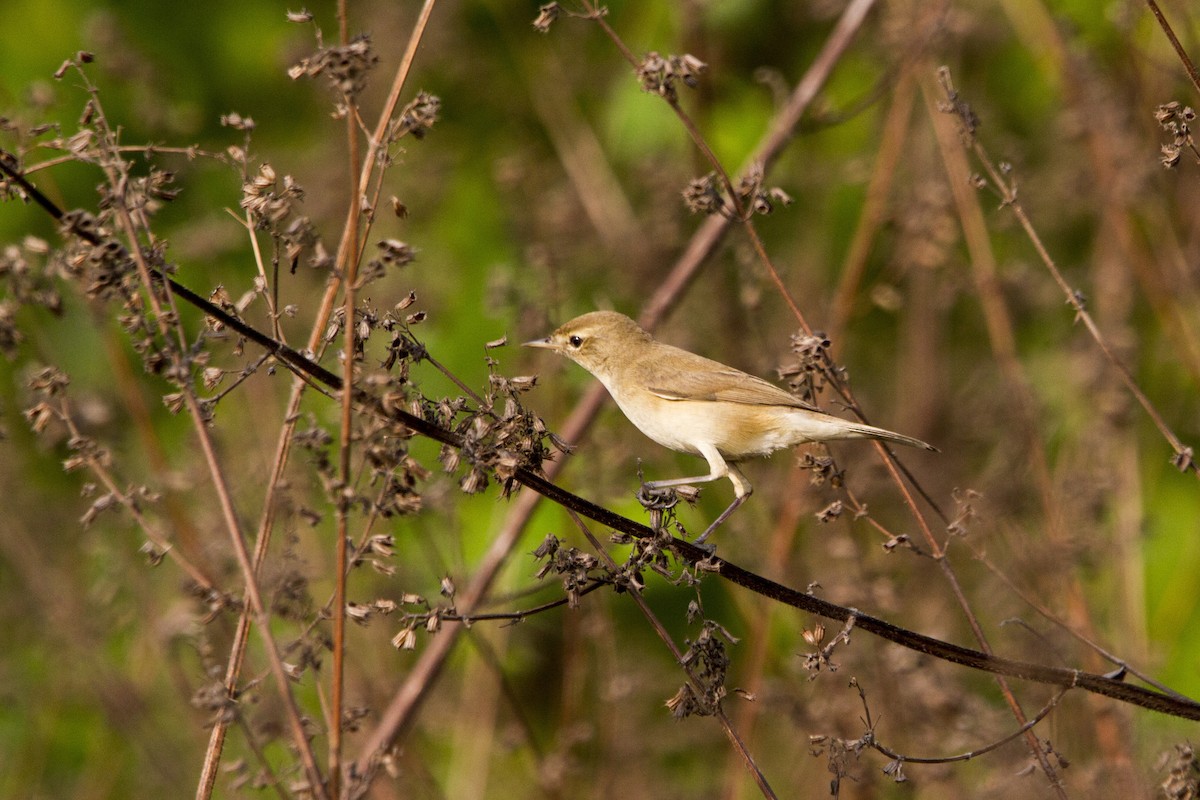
1107, 686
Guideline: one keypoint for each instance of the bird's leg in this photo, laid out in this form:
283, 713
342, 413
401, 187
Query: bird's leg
671, 482
742, 489
716, 523
717, 469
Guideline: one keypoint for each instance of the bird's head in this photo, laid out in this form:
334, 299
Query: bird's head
598, 341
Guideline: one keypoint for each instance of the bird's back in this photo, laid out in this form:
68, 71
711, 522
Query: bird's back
676, 374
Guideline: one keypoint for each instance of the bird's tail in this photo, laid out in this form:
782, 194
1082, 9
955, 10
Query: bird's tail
806, 425
856, 430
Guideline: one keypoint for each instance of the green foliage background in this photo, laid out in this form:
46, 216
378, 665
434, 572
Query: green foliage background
104, 652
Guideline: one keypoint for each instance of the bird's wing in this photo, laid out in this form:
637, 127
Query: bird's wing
702, 379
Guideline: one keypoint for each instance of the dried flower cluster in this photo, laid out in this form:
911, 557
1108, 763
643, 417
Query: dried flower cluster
808, 375
707, 661
27, 281
1176, 119
659, 74
418, 117
393, 254
499, 437
578, 570
1183, 773
273, 204
347, 67
269, 200
546, 17
101, 264
707, 195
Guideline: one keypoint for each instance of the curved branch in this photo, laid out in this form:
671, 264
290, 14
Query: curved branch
1055, 676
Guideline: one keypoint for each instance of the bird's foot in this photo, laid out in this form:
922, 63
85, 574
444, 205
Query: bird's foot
701, 542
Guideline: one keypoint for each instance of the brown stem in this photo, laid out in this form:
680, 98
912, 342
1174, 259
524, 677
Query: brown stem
738, 743
1179, 51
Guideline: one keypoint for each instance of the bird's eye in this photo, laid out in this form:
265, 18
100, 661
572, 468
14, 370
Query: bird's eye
575, 341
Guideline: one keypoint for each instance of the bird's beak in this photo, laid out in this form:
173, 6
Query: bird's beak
545, 344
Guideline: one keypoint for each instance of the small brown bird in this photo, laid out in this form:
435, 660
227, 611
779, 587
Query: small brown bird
695, 405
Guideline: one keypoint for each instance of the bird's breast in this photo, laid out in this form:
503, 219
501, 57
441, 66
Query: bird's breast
737, 430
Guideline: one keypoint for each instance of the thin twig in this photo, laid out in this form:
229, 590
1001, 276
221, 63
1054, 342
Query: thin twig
697, 686
1008, 193
102, 473
870, 740
1188, 66
168, 324
347, 269
291, 415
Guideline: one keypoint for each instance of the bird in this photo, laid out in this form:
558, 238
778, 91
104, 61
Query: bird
692, 404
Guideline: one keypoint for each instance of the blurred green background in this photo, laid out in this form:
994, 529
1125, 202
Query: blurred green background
549, 187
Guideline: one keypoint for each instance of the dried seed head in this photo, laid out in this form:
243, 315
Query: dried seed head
405, 639
347, 67
237, 121
418, 116
703, 195
547, 14
659, 74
